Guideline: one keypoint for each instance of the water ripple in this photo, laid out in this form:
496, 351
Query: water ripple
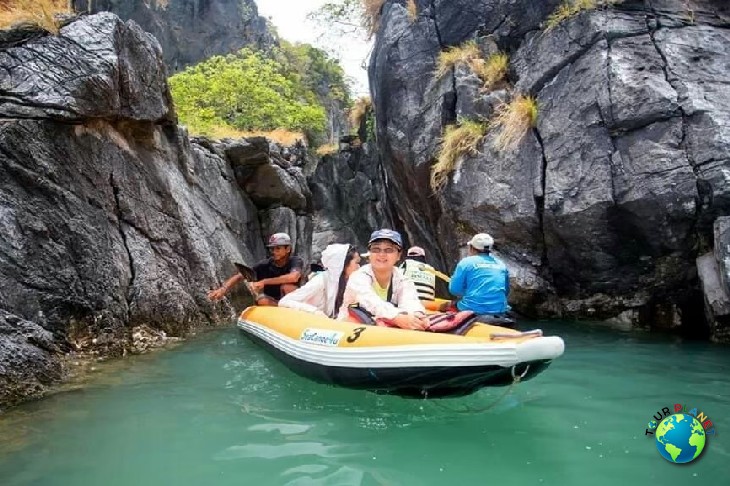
268, 451
221, 410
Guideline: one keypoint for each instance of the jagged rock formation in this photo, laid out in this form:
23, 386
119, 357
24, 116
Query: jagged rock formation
614, 206
27, 363
110, 217
349, 198
714, 273
191, 31
603, 207
273, 179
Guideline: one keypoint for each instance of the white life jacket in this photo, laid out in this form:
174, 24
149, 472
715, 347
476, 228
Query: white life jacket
424, 281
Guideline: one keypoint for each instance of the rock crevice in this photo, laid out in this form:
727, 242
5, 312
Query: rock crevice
123, 236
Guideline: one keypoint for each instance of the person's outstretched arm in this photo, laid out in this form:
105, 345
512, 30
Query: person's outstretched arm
360, 289
221, 291
292, 277
360, 286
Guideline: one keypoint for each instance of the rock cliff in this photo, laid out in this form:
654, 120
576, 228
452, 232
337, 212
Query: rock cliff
113, 222
604, 206
191, 31
349, 198
111, 218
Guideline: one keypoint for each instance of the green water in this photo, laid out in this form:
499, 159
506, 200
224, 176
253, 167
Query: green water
219, 410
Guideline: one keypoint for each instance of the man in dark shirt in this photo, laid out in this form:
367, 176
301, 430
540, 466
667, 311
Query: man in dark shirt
275, 277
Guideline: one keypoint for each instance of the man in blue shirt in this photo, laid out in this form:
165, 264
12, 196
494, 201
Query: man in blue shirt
481, 280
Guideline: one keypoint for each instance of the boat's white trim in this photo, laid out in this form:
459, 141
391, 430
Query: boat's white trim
414, 355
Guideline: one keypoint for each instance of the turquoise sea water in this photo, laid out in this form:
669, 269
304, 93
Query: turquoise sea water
220, 410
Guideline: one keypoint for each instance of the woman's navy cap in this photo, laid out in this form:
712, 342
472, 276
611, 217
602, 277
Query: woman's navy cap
386, 234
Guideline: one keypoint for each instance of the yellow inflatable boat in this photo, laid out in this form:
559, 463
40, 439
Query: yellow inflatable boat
399, 361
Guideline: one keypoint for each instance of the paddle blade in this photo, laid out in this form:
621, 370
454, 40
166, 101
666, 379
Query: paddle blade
247, 272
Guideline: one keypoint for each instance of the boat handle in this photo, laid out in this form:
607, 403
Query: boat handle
517, 378
504, 335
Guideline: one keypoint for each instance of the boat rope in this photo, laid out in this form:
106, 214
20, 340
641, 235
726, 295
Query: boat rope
516, 378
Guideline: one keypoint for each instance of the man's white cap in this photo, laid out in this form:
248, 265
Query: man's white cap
481, 241
279, 239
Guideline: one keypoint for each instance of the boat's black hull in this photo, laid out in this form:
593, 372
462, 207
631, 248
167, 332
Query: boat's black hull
410, 382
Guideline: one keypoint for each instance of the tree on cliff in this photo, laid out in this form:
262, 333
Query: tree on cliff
246, 91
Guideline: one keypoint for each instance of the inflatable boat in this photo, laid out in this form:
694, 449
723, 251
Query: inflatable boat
398, 361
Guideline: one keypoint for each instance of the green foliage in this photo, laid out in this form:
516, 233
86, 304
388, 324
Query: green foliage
314, 70
251, 91
322, 78
370, 126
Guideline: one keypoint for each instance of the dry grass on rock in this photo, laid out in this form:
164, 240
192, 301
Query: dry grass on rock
41, 13
458, 141
514, 120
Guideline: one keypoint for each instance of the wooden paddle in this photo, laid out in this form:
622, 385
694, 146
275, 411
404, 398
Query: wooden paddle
441, 275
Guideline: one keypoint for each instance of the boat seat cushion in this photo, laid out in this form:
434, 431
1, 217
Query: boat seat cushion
451, 322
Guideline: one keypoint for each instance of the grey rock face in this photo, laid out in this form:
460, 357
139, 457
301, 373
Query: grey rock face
722, 248
115, 231
349, 199
97, 67
28, 359
271, 184
273, 178
602, 208
713, 271
696, 66
191, 31
716, 295
268, 178
111, 219
411, 108
458, 20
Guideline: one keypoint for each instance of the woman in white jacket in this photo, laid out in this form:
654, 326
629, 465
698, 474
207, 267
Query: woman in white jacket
381, 289
323, 294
